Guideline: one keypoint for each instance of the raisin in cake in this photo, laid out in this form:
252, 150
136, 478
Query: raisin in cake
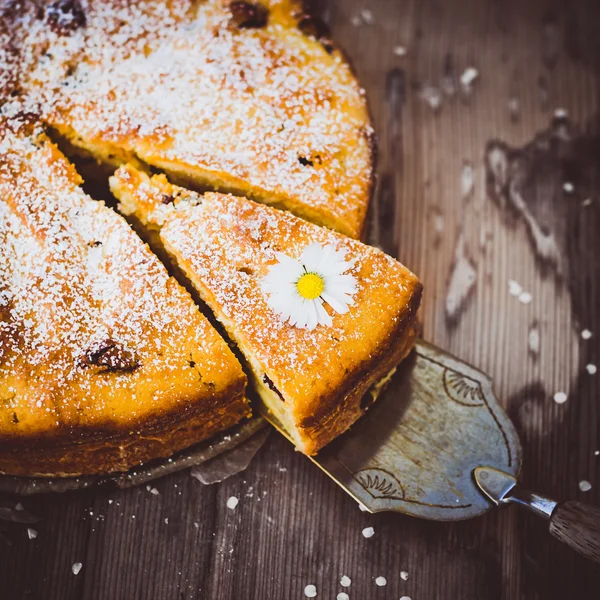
248, 97
105, 361
311, 381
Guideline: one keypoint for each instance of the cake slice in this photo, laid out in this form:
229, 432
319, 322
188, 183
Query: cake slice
314, 379
248, 97
105, 360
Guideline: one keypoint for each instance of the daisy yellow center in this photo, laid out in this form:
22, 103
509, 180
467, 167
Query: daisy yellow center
310, 286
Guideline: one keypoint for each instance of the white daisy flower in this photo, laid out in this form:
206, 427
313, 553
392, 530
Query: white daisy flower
297, 288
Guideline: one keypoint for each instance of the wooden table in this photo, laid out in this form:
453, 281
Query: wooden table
467, 232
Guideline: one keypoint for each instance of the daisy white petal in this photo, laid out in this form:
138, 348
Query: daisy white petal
345, 280
312, 316
311, 257
284, 259
345, 295
273, 282
337, 305
295, 310
287, 270
279, 304
332, 261
329, 257
344, 283
287, 262
349, 300
340, 296
305, 311
324, 318
340, 268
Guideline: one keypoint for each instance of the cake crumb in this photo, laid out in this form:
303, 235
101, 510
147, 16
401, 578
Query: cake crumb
310, 591
432, 96
31, 533
469, 75
399, 50
76, 568
513, 107
367, 16
381, 581
232, 502
514, 288
533, 340
525, 298
404, 575
585, 486
368, 532
586, 334
467, 179
591, 369
345, 581
342, 596
19, 506
560, 397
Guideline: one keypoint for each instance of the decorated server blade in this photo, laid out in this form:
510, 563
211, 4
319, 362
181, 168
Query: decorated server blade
438, 445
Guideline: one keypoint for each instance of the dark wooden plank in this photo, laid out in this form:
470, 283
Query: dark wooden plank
293, 527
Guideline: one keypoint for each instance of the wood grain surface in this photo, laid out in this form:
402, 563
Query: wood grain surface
469, 198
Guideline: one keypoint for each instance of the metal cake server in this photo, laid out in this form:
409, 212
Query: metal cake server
438, 445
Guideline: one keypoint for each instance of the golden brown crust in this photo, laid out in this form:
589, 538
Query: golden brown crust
261, 104
346, 409
225, 246
100, 452
105, 75
99, 347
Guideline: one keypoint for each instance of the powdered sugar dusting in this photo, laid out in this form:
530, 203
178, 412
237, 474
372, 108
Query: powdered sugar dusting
230, 243
268, 107
86, 310
227, 244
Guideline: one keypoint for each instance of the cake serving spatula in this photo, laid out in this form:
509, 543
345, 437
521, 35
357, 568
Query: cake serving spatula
437, 445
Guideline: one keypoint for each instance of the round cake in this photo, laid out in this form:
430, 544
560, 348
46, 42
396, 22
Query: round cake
105, 360
251, 98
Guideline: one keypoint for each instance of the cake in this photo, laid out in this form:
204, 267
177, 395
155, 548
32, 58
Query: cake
244, 97
105, 360
313, 378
